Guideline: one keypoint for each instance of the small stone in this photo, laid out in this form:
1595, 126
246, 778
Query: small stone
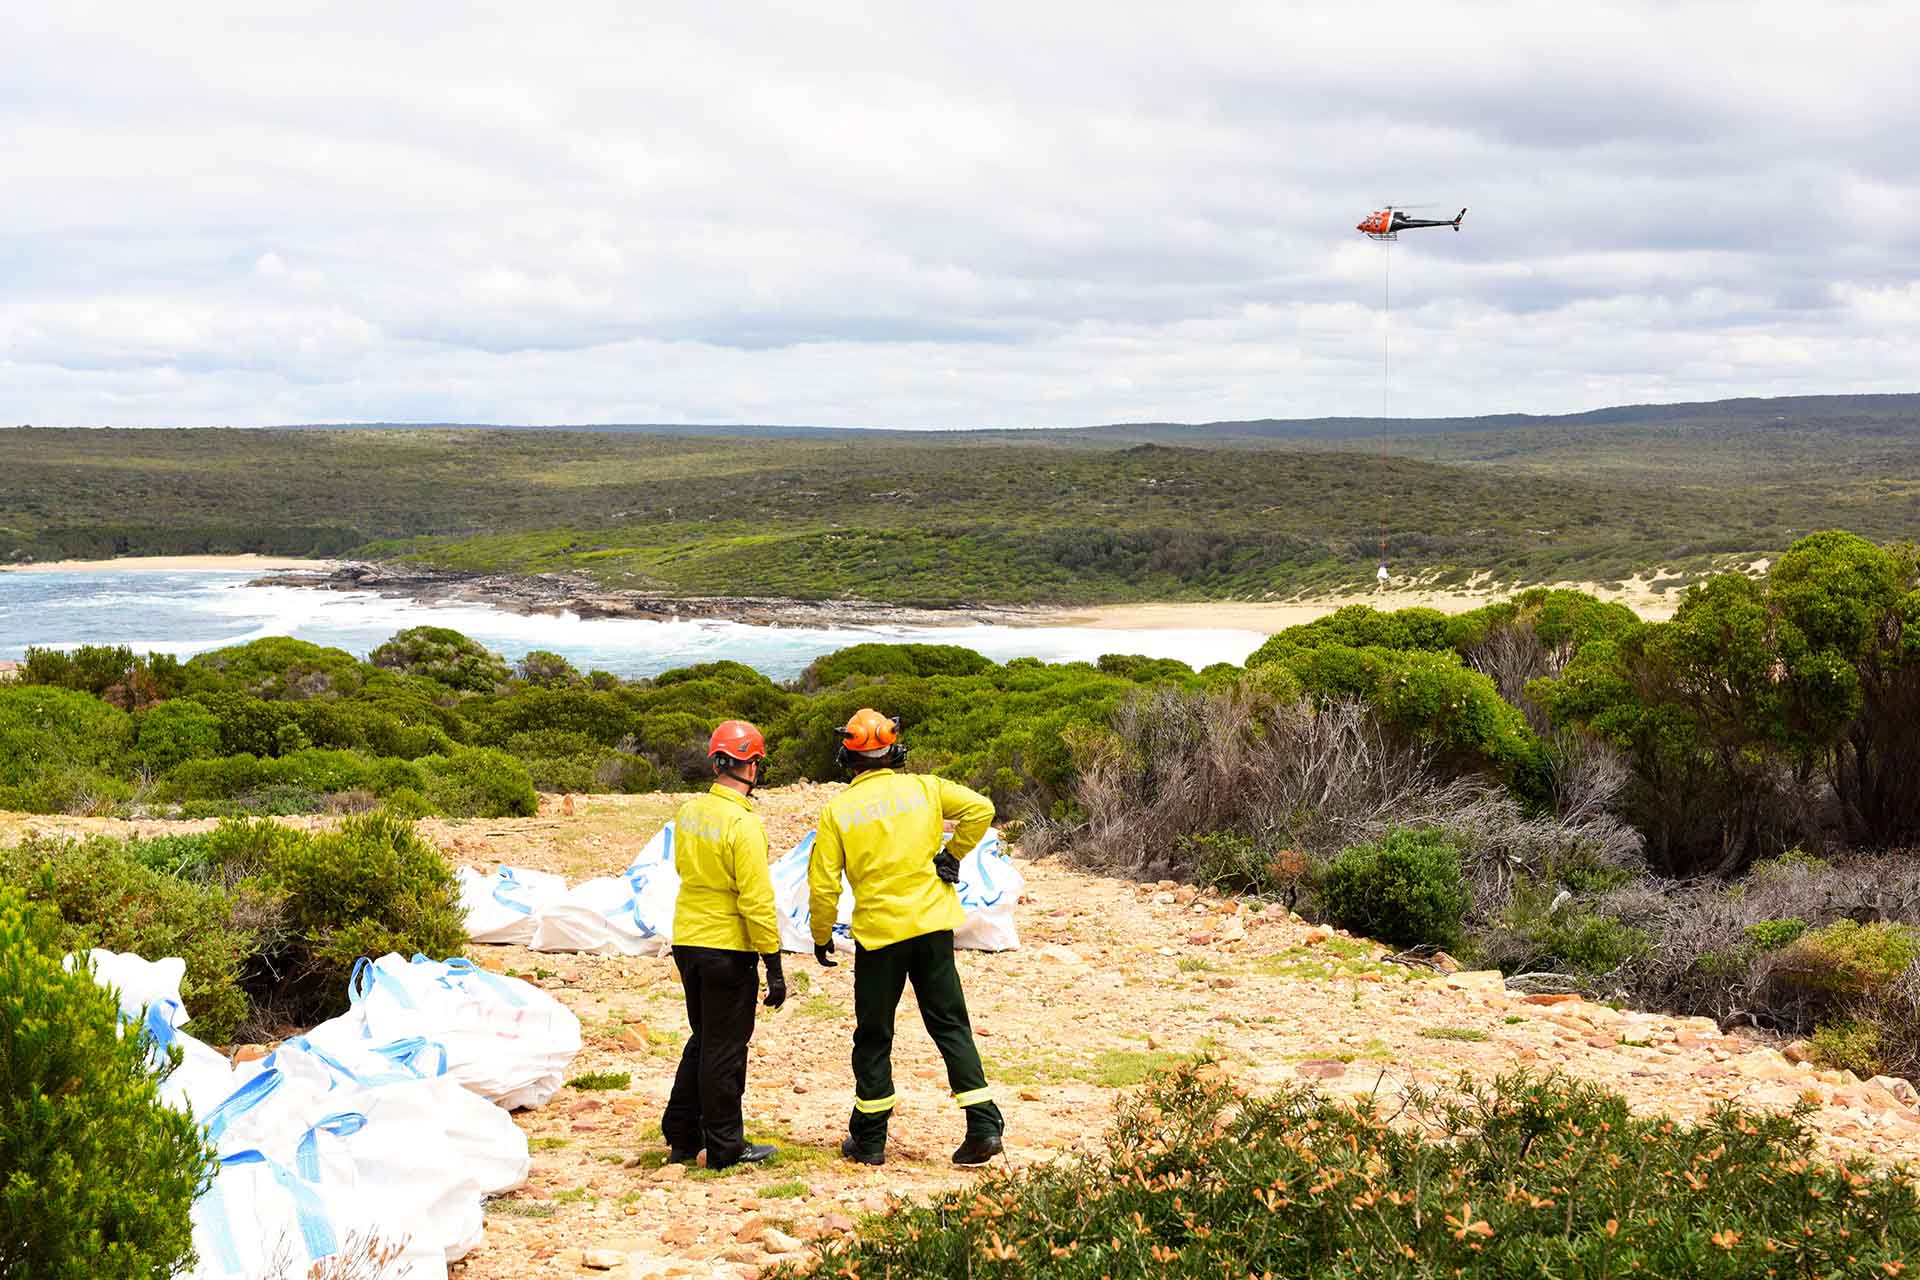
1446, 963
1029, 1095
670, 1173
778, 1241
633, 1039
1798, 1051
1902, 1091
1553, 997
1486, 981
1200, 939
1321, 1069
250, 1053
680, 1234
751, 1230
1066, 957
603, 1259
1317, 935
1219, 981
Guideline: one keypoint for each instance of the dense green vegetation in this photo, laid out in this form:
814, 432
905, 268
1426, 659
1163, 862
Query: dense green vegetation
1548, 784
1527, 1176
96, 1177
997, 517
268, 919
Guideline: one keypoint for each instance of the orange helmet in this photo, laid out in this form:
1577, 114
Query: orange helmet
870, 741
868, 730
737, 740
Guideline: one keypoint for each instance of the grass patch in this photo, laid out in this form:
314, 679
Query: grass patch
1197, 964
820, 1006
1452, 1033
520, 1208
572, 1195
791, 1189
547, 1144
601, 1080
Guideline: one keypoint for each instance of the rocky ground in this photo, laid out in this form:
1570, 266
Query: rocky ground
1113, 979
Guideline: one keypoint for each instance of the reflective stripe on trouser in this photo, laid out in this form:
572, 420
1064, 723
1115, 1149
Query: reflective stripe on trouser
704, 1109
879, 978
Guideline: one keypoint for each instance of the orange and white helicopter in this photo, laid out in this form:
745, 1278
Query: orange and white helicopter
1388, 223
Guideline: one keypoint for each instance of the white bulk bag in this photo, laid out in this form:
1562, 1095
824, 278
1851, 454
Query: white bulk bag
500, 905
990, 887
149, 994
505, 1039
260, 1219
626, 915
792, 900
487, 1145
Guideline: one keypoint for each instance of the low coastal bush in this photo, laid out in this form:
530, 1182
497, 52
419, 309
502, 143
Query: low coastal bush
105, 895
269, 919
96, 1177
370, 886
1404, 888
1526, 1176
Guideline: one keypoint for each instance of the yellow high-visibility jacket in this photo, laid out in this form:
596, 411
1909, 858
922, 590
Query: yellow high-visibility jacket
726, 895
883, 831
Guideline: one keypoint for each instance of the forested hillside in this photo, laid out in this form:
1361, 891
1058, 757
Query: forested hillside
983, 518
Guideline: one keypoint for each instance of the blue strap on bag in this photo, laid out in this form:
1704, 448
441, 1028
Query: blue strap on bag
316, 1232
341, 1124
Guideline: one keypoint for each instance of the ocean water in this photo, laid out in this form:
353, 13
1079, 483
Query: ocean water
189, 612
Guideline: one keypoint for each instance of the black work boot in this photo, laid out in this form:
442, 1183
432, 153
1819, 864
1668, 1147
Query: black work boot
755, 1153
682, 1155
853, 1151
978, 1149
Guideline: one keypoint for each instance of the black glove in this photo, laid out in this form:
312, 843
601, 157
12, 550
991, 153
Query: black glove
824, 954
776, 981
947, 867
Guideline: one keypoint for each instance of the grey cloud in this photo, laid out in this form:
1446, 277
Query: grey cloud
996, 215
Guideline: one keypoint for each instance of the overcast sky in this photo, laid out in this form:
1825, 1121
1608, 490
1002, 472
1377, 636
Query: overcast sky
946, 215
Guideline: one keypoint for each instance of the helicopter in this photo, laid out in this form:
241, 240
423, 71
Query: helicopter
1388, 223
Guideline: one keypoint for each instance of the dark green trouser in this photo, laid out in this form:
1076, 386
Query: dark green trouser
879, 977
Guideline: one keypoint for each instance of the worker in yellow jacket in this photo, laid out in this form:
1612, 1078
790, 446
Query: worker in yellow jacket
884, 832
723, 919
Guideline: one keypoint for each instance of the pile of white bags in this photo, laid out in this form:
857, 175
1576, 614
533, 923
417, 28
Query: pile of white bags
505, 1039
500, 905
632, 914
990, 886
353, 1134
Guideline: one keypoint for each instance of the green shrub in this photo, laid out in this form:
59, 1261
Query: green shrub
1526, 1177
442, 655
479, 782
1405, 888
1847, 958
97, 1179
1231, 861
1848, 1044
277, 668
370, 886
106, 896
175, 731
46, 730
1771, 935
1531, 936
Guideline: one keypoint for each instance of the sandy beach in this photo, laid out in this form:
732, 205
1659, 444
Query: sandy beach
170, 564
1268, 617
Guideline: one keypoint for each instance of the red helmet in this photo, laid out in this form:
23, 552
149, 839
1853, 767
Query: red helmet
737, 740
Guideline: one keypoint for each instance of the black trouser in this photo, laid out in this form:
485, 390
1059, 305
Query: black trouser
704, 1109
879, 977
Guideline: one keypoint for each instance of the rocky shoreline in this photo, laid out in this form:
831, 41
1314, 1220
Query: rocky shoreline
575, 594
